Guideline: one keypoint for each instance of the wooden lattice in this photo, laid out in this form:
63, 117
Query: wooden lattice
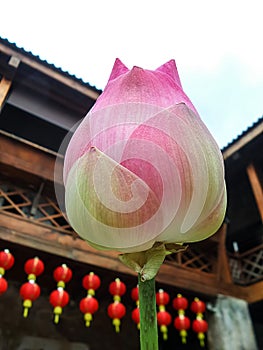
196, 257
32, 205
247, 268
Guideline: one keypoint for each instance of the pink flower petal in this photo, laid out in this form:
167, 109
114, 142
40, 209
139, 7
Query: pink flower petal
108, 205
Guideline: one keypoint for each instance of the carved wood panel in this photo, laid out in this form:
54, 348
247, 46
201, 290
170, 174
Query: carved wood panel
33, 206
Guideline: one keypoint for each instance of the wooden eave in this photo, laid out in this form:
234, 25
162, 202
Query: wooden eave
244, 177
19, 155
22, 158
243, 140
56, 75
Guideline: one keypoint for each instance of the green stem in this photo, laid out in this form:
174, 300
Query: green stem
148, 320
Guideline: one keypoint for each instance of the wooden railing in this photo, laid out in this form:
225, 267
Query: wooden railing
247, 268
28, 217
32, 205
196, 257
45, 211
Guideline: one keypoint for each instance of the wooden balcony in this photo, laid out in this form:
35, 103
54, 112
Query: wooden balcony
247, 268
30, 216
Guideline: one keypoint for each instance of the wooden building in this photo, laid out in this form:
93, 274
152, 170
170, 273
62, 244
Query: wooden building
39, 104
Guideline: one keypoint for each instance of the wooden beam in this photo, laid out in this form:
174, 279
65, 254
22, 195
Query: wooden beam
5, 85
254, 292
26, 156
85, 90
256, 188
209, 285
28, 233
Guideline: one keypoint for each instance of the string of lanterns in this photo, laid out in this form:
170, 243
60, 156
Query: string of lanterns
6, 262
30, 290
181, 322
89, 305
200, 326
164, 318
136, 312
59, 298
117, 310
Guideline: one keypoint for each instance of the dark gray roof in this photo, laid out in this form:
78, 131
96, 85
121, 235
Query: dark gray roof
29, 54
244, 133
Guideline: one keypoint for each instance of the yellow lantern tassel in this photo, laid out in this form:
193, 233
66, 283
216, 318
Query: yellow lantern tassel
27, 305
116, 322
88, 319
183, 335
57, 312
201, 338
164, 330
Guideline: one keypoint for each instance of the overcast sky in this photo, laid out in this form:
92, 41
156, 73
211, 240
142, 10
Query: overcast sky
217, 45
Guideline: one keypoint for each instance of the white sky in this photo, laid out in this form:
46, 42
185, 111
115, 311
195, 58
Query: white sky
217, 45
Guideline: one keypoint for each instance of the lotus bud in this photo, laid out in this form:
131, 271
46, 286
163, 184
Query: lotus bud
142, 168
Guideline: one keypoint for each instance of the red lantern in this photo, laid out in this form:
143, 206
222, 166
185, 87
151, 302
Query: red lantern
33, 268
199, 326
6, 262
135, 294
59, 298
136, 312
91, 282
181, 322
89, 305
117, 289
180, 303
136, 316
3, 285
163, 317
30, 291
116, 312
162, 298
198, 306
62, 274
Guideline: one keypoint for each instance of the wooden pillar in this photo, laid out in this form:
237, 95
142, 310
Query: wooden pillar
223, 269
230, 325
5, 85
256, 188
